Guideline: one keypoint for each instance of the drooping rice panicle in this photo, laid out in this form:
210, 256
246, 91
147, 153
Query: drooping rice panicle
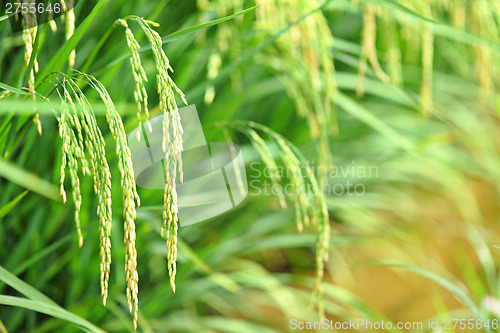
303, 60
140, 93
173, 150
129, 194
393, 51
266, 156
52, 22
69, 26
28, 36
71, 152
237, 171
483, 23
299, 195
320, 219
95, 144
227, 44
368, 49
475, 17
427, 69
172, 142
213, 68
78, 128
306, 190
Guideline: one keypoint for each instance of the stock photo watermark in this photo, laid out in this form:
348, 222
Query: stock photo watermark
365, 325
341, 180
26, 14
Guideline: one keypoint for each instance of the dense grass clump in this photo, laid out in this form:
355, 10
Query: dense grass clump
369, 133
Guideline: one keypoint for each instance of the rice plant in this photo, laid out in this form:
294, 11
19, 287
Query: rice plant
172, 130
396, 100
308, 200
302, 59
78, 128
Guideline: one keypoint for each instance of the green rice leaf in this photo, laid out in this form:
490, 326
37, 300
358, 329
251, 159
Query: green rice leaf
17, 175
390, 4
7, 106
218, 278
195, 28
8, 207
14, 90
41, 254
48, 309
60, 58
175, 35
359, 111
22, 287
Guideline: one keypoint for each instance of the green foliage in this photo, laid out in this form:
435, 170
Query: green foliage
403, 86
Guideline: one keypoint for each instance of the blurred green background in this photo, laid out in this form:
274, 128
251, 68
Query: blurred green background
408, 87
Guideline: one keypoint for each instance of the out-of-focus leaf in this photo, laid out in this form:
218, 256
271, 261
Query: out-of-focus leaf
11, 204
17, 175
50, 310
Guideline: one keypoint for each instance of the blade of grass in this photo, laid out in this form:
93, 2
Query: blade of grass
389, 4
50, 310
195, 28
25, 79
176, 35
26, 107
41, 254
22, 287
358, 111
220, 279
14, 90
8, 207
282, 241
348, 81
15, 174
96, 49
60, 58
